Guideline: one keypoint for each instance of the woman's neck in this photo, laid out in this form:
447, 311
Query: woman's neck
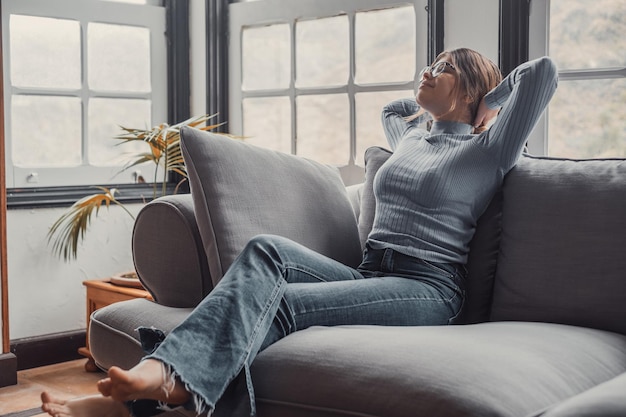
459, 112
458, 115
451, 126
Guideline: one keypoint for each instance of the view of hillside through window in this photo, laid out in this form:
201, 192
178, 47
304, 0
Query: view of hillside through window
587, 117
323, 103
46, 54
74, 72
329, 79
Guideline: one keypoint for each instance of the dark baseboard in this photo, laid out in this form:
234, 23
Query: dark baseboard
8, 369
32, 352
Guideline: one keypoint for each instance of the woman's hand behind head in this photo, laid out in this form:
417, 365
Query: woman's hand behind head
484, 116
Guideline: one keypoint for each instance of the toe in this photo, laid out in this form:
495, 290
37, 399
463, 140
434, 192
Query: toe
104, 387
50, 404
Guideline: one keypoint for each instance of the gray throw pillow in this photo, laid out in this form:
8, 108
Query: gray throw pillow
375, 157
562, 251
240, 191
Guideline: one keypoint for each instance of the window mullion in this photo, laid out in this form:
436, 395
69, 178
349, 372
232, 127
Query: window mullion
596, 74
435, 29
292, 88
514, 30
351, 86
85, 94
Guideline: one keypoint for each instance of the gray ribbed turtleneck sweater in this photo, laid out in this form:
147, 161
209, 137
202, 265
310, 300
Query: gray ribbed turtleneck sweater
435, 186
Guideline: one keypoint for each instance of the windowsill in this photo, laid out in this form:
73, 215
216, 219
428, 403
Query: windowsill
21, 198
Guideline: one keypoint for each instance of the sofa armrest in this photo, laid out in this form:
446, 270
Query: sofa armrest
168, 253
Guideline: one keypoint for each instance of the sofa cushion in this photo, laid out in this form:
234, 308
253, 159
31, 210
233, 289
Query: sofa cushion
562, 250
375, 157
483, 254
354, 196
113, 335
605, 400
240, 191
490, 369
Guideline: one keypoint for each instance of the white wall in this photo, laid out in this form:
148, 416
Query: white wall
46, 294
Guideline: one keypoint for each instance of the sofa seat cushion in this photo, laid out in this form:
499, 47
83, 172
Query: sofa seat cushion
488, 369
605, 400
113, 336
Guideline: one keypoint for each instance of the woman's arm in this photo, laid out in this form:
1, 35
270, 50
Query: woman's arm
394, 120
523, 95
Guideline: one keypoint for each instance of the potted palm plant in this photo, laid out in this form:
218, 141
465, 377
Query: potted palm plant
163, 149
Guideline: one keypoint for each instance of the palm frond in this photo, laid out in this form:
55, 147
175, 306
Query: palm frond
69, 230
163, 151
164, 143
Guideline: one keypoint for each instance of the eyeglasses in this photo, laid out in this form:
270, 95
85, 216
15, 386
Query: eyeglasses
436, 70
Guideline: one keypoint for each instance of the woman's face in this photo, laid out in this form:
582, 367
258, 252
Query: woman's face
436, 89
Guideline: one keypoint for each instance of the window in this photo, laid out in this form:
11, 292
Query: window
587, 116
311, 77
74, 72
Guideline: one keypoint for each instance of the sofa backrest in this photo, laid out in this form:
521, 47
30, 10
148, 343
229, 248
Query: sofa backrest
562, 254
354, 193
550, 247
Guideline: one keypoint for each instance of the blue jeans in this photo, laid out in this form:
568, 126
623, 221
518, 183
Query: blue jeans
276, 287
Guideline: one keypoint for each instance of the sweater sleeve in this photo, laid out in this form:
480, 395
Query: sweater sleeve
523, 95
393, 119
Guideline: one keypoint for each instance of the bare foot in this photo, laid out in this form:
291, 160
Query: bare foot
93, 406
147, 381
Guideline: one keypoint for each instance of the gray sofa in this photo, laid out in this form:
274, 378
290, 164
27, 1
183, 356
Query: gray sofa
543, 331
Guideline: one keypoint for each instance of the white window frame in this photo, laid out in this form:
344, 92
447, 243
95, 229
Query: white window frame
539, 41
264, 12
149, 15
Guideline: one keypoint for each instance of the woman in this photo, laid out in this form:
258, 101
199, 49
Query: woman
429, 195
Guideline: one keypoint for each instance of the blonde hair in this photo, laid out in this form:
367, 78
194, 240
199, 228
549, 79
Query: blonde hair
477, 74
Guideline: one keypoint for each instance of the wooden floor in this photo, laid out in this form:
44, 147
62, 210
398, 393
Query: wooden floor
64, 380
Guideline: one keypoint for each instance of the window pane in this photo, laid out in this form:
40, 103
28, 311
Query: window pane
588, 35
105, 118
267, 122
266, 57
385, 45
322, 52
323, 132
587, 119
45, 52
119, 57
369, 130
46, 131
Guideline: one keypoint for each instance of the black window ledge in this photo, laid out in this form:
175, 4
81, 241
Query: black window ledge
66, 196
